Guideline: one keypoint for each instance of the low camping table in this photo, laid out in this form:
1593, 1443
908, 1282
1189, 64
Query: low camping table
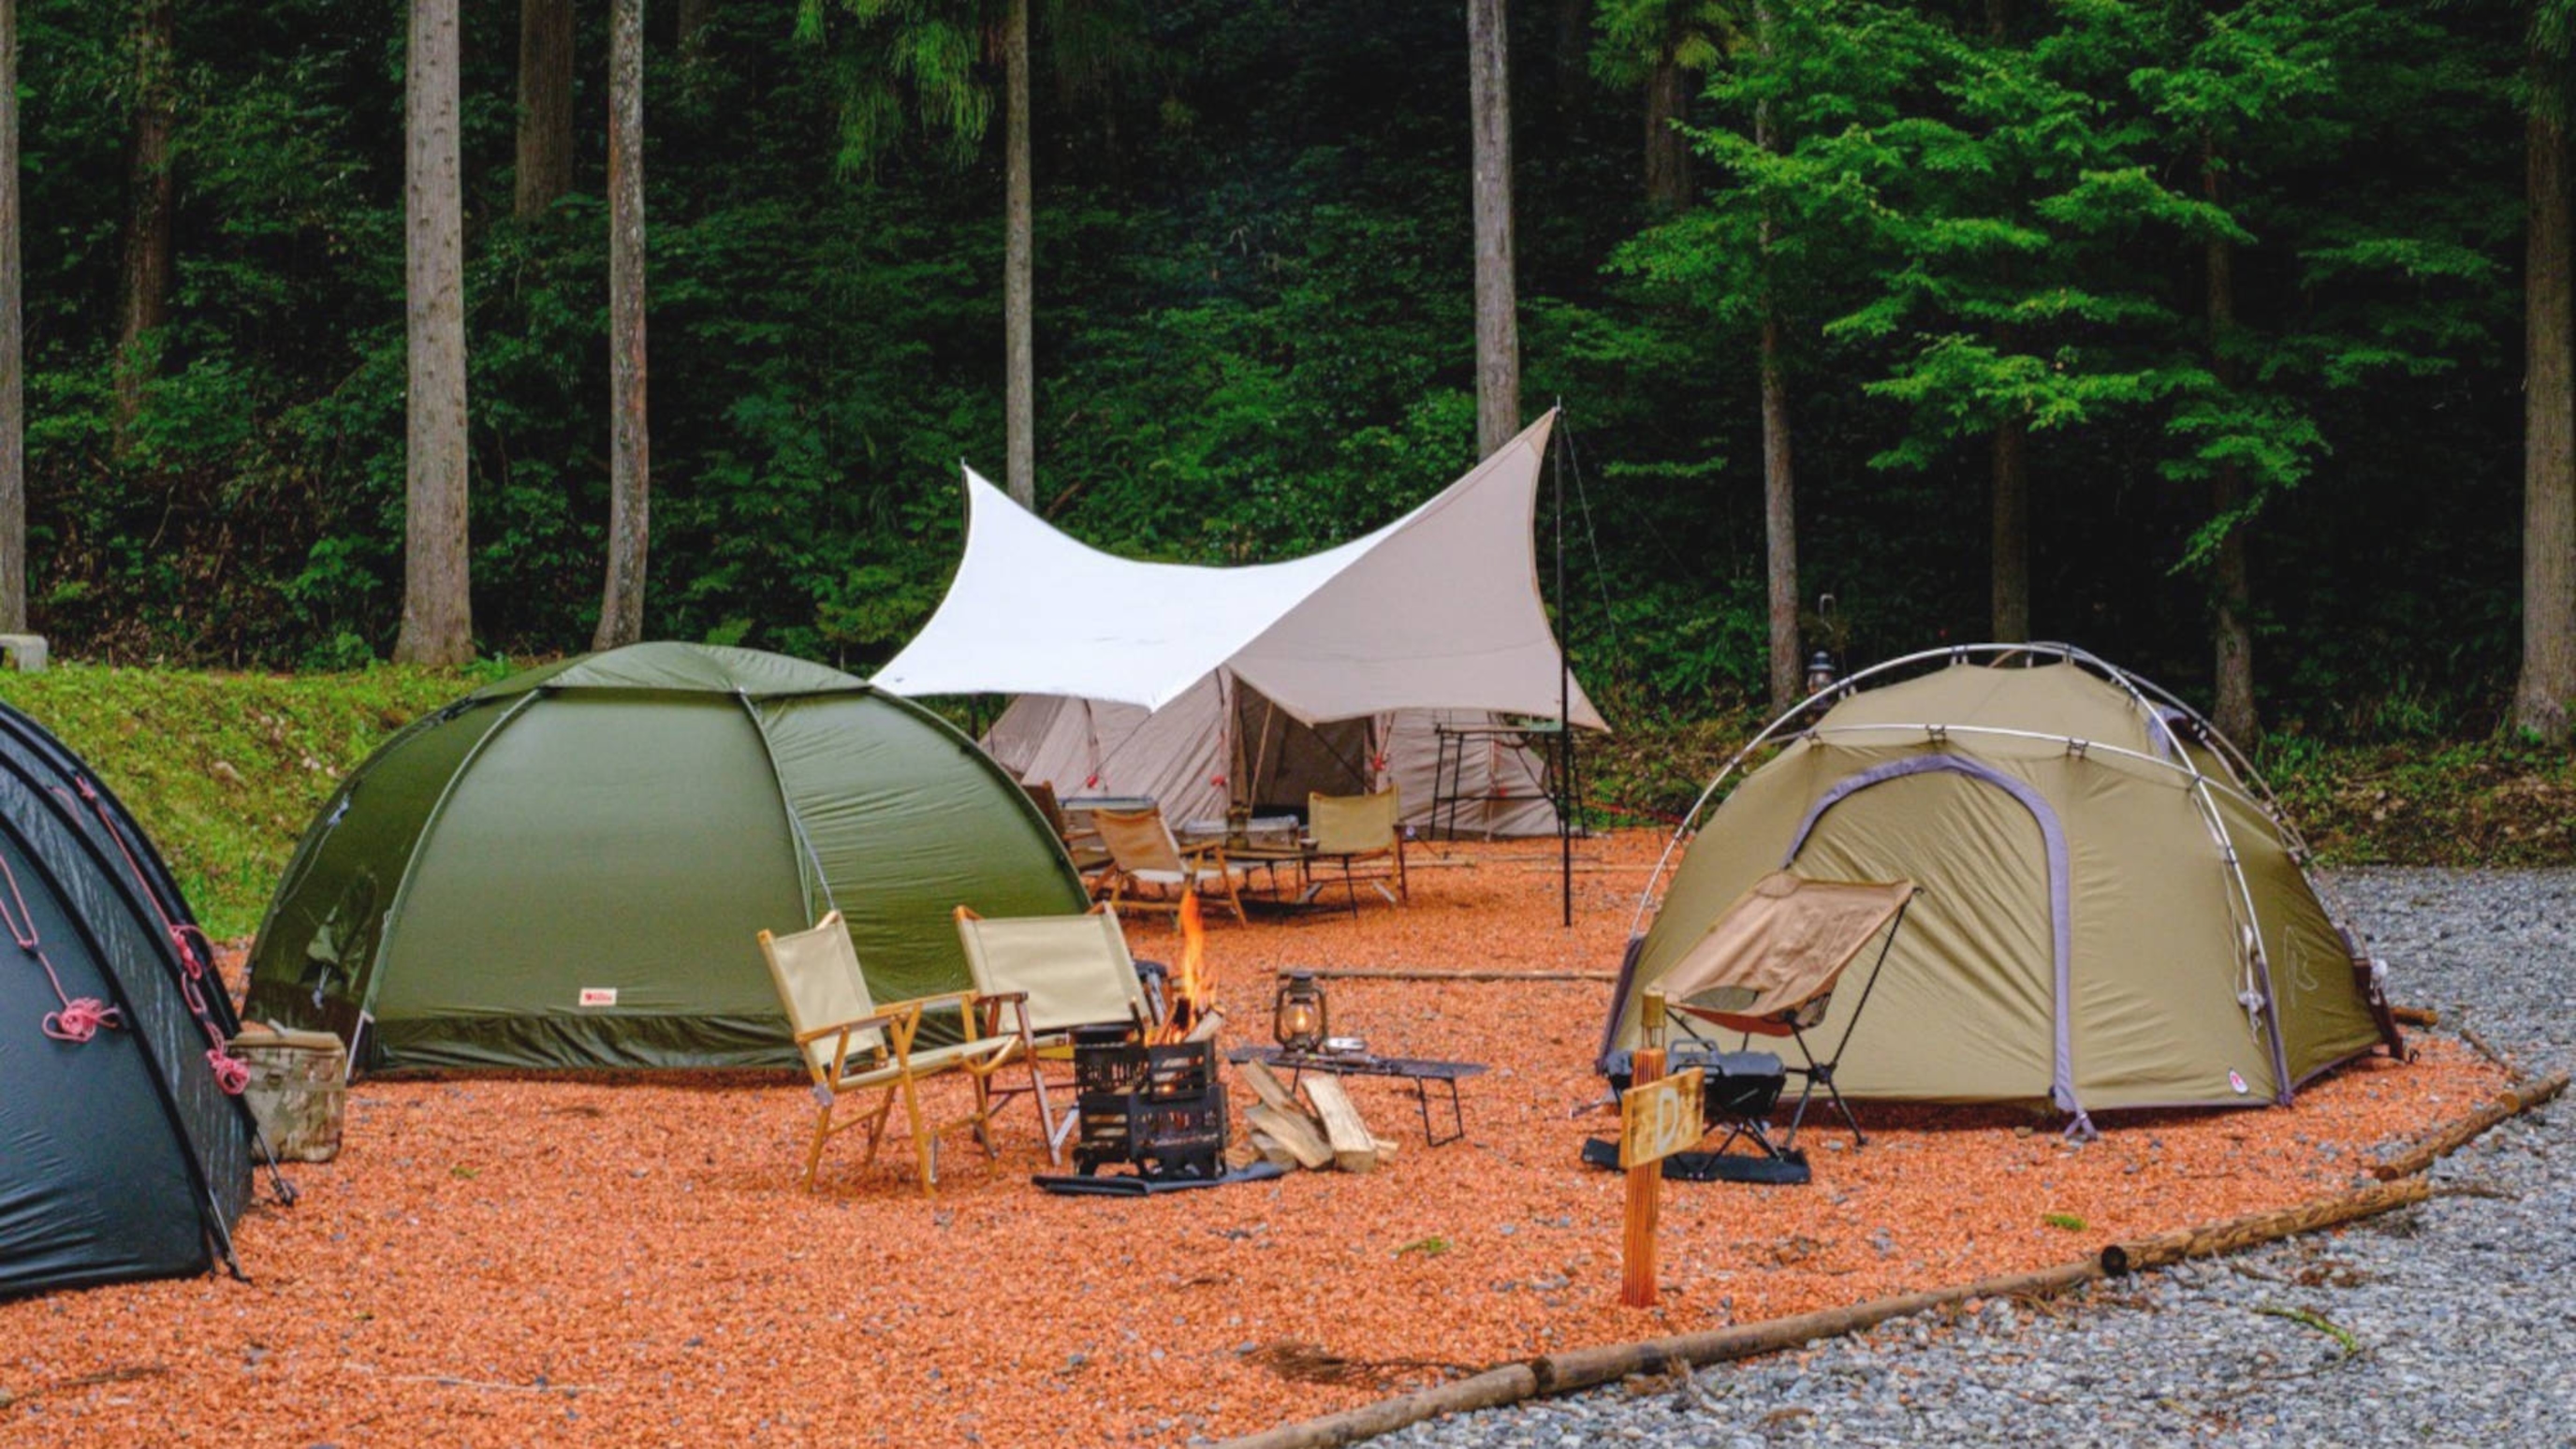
1420, 1071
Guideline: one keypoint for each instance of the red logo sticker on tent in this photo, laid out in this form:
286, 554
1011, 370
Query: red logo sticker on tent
607, 996
2233, 1080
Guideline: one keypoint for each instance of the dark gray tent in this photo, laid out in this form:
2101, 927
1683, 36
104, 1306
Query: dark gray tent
121, 1153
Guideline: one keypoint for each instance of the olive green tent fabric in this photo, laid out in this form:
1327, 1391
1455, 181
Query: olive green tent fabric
2094, 891
567, 869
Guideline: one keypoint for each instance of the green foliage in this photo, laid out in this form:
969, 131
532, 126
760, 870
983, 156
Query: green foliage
1254, 324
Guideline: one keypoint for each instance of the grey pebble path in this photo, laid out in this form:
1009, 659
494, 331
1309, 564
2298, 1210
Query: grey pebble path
2461, 1312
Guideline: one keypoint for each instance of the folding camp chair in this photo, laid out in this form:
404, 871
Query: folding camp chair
1360, 827
1768, 967
1090, 857
1142, 852
1054, 973
852, 1046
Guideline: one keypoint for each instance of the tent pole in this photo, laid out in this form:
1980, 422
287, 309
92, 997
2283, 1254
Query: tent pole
1564, 697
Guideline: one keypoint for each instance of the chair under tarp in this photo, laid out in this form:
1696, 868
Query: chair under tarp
1769, 966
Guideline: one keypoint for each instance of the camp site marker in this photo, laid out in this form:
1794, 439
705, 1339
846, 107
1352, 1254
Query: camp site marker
1658, 1117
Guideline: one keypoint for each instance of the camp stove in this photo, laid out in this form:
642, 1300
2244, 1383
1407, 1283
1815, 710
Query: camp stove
1159, 1108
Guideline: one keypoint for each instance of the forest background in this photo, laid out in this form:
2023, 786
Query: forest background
2193, 333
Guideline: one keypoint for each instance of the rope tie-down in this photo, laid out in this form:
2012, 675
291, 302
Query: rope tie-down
81, 1016
196, 953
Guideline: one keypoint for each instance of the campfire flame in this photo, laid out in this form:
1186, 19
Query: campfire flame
1193, 1002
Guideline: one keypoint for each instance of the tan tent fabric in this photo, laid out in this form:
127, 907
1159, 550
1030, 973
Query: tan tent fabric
1223, 740
1779, 948
2101, 928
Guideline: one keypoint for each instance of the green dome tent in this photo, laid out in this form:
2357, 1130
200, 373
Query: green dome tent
2116, 912
567, 868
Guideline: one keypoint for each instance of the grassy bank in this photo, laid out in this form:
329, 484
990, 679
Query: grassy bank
226, 770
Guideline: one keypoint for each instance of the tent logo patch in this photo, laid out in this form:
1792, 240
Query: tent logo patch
2233, 1079
607, 996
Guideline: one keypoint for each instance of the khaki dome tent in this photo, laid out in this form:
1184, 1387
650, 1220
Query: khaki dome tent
568, 868
2115, 912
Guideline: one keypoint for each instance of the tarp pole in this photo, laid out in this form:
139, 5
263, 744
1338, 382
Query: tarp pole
1564, 696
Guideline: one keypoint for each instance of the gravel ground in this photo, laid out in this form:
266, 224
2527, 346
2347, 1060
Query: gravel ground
2449, 1323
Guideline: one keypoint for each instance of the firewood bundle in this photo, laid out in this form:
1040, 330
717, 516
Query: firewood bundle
1323, 1133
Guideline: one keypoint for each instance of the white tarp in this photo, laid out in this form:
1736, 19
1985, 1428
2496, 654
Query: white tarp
1438, 610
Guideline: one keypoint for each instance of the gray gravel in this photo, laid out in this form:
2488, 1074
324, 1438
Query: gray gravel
2460, 1314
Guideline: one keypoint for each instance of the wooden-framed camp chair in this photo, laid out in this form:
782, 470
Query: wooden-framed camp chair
1090, 857
1143, 852
1352, 828
1052, 974
852, 1046
1768, 967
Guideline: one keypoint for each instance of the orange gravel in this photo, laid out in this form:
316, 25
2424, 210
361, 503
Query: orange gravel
508, 1261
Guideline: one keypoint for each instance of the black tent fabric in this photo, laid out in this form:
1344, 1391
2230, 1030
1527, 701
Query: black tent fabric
123, 1154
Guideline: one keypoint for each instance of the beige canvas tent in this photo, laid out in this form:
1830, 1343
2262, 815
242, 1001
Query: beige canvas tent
1202, 687
2115, 913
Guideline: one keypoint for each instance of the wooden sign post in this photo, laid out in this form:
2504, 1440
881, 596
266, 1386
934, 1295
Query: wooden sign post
1658, 1116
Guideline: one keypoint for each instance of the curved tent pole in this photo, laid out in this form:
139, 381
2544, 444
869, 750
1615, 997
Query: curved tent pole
787, 804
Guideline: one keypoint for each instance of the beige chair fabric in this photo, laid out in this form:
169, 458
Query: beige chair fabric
1353, 828
852, 1046
1772, 960
1051, 974
1143, 853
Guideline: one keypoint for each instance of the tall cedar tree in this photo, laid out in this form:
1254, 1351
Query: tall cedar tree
149, 195
13, 373
545, 106
630, 488
437, 615
1498, 325
2546, 690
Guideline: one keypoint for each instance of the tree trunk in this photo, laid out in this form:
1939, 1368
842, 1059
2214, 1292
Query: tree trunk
13, 396
437, 623
2548, 683
1019, 267
1668, 153
621, 603
147, 217
695, 15
1498, 340
2231, 621
1780, 523
545, 105
2011, 532
1779, 474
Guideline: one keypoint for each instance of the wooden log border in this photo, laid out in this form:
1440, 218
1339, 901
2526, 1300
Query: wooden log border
1576, 1369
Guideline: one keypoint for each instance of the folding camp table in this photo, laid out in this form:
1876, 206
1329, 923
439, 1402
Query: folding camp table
1420, 1071
1768, 967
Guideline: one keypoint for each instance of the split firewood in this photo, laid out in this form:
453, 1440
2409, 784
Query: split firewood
1205, 1028
1240, 1156
1354, 1146
1266, 1085
1271, 1152
1385, 1151
1292, 1131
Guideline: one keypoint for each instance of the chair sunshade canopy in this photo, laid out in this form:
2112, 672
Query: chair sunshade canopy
1778, 951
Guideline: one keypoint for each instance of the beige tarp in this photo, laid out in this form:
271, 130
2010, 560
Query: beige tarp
2084, 937
1222, 739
